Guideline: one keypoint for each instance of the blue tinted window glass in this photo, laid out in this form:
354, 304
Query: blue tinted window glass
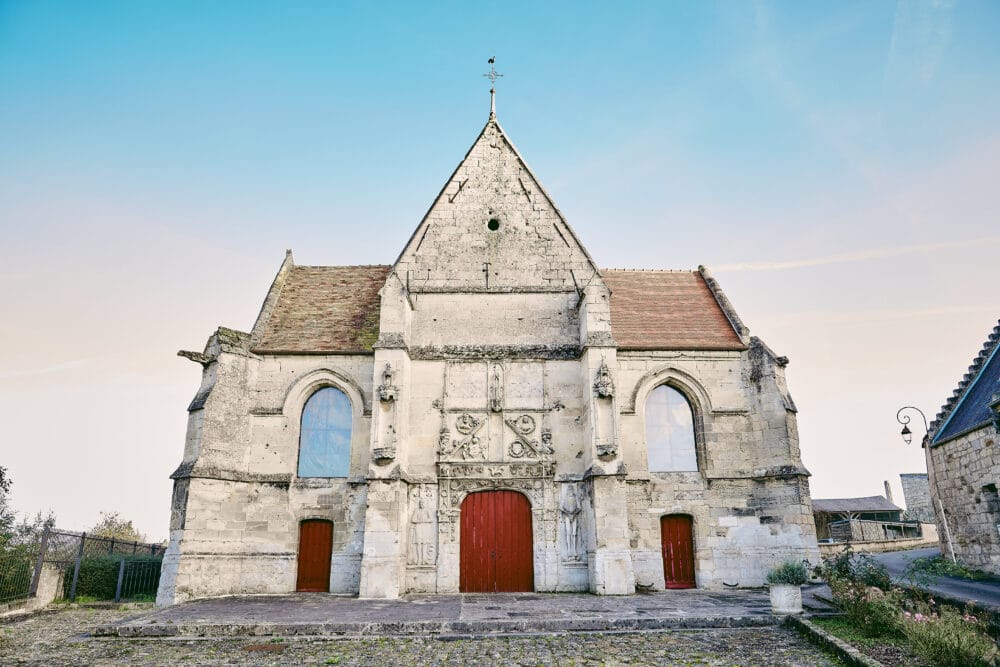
670, 431
325, 440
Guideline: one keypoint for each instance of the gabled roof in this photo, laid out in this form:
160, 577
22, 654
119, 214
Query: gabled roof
321, 309
668, 310
968, 408
867, 504
493, 212
335, 310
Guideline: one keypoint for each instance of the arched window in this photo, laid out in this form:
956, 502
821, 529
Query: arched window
325, 440
670, 431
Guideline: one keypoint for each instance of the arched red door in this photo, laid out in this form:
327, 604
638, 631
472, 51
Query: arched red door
315, 549
677, 539
495, 551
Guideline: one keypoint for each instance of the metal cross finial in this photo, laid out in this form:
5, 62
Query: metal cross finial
492, 75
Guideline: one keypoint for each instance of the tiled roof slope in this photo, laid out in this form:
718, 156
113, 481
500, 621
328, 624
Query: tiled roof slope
867, 504
667, 310
335, 309
325, 309
969, 405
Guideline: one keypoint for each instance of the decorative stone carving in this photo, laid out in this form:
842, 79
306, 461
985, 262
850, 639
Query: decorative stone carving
607, 450
569, 510
387, 391
604, 386
496, 388
523, 446
470, 447
423, 543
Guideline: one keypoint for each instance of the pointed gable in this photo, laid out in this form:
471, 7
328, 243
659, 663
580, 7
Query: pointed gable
971, 405
493, 211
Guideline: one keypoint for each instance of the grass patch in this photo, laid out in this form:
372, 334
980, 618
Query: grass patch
844, 629
938, 566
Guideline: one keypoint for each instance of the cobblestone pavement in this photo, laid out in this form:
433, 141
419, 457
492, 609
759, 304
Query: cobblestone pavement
322, 614
57, 639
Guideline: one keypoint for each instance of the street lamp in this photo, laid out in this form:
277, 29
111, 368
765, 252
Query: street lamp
908, 438
905, 421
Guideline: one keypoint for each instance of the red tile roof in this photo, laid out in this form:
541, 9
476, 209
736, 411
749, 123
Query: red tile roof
667, 310
325, 309
335, 309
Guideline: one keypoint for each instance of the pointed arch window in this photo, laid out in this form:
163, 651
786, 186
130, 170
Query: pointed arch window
325, 436
670, 442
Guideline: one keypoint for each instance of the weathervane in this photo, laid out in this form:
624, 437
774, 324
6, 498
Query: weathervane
493, 76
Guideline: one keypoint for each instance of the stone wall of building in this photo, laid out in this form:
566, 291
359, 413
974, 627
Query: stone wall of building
965, 474
917, 496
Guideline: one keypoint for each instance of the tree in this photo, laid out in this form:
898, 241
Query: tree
7, 516
112, 525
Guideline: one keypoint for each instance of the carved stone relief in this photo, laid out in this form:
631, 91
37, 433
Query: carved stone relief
604, 387
496, 388
524, 446
469, 447
570, 508
423, 531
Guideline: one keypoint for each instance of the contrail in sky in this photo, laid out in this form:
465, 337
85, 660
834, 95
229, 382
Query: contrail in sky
44, 370
857, 256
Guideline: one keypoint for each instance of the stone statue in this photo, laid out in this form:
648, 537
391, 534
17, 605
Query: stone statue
570, 511
421, 550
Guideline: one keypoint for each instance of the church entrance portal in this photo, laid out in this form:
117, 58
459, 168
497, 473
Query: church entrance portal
496, 551
678, 551
315, 549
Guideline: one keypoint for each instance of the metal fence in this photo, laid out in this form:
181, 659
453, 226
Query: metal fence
17, 565
99, 567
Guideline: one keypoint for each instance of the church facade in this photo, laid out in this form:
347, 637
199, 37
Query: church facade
491, 412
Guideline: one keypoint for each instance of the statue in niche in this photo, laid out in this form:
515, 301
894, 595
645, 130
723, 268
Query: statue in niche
569, 510
386, 391
422, 529
496, 389
604, 387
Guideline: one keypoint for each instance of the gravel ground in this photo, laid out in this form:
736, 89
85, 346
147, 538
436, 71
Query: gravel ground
59, 639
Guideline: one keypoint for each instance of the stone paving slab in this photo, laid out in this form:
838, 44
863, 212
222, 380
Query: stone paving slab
316, 614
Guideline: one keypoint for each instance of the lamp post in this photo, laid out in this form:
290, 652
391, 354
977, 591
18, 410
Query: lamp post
905, 421
908, 438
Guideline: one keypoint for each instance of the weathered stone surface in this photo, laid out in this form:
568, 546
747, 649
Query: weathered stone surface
496, 367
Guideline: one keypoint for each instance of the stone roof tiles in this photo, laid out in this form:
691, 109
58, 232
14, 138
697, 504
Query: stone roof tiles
335, 310
322, 310
668, 310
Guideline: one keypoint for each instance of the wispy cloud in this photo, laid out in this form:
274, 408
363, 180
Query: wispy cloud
44, 370
856, 256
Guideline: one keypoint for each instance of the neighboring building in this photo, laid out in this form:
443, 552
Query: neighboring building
869, 519
963, 463
492, 412
917, 495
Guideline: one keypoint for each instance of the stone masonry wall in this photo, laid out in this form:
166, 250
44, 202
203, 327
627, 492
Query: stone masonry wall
917, 496
965, 474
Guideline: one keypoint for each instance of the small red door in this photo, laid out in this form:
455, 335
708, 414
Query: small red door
496, 551
678, 551
315, 549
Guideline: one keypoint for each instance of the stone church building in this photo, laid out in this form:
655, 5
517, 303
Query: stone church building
490, 412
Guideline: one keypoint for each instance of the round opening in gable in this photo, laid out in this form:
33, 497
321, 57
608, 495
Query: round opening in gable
493, 224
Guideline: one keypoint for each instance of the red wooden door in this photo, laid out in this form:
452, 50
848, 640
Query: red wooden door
496, 551
315, 549
678, 551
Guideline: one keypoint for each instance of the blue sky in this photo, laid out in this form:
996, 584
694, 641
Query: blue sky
834, 163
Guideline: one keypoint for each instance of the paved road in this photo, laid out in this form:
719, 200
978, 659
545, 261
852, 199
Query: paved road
987, 593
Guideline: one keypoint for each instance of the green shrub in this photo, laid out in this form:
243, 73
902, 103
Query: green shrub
791, 572
98, 577
856, 568
874, 612
949, 638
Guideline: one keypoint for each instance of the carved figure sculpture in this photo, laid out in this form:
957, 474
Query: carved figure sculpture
421, 550
569, 510
604, 387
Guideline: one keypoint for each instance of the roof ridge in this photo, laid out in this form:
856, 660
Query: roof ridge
650, 270
343, 266
968, 379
